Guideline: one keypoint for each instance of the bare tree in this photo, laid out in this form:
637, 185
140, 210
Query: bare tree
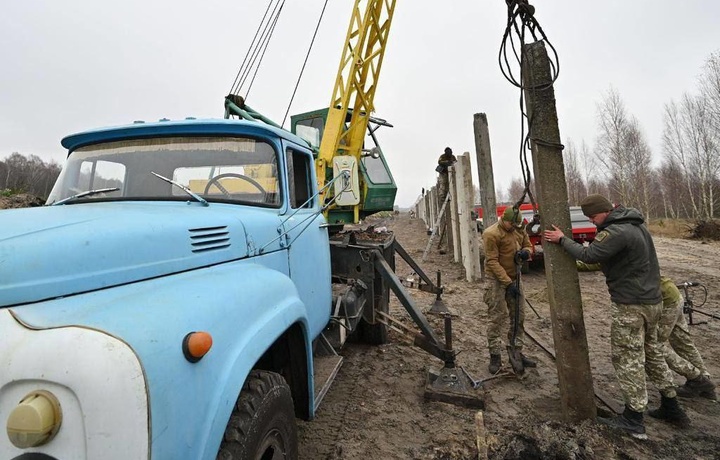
691, 141
28, 174
515, 189
573, 176
611, 153
623, 152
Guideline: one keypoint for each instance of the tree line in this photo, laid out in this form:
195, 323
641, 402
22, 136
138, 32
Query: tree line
21, 174
686, 184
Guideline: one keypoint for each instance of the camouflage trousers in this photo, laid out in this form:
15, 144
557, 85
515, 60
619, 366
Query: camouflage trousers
500, 313
679, 349
635, 350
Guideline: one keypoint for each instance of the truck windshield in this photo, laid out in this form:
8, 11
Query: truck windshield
225, 169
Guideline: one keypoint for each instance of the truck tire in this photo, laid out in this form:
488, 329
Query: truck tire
262, 424
373, 334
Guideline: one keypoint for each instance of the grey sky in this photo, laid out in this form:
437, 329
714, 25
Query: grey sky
78, 64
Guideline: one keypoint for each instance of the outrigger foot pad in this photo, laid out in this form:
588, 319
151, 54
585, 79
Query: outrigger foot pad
438, 307
454, 386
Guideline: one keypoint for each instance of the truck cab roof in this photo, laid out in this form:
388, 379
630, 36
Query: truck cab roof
187, 127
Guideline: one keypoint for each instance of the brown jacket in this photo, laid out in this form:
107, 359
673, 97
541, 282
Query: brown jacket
500, 248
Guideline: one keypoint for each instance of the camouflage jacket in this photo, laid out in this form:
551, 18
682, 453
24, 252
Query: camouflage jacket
626, 253
500, 248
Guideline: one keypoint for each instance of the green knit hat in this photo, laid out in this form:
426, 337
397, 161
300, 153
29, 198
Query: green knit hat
595, 204
512, 215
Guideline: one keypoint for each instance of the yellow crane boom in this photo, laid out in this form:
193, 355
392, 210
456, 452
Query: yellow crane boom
355, 86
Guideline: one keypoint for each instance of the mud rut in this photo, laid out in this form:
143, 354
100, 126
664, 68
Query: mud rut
375, 409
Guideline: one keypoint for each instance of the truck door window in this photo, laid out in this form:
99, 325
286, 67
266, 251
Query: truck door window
299, 174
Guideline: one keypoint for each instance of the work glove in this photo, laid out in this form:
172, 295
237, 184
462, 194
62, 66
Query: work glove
512, 291
523, 255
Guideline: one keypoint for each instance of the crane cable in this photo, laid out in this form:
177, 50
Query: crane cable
302, 70
520, 21
257, 47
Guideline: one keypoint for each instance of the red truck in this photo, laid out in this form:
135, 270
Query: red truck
583, 231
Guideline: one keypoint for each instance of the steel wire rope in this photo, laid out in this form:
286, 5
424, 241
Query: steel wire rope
302, 70
272, 30
261, 46
521, 11
242, 65
258, 46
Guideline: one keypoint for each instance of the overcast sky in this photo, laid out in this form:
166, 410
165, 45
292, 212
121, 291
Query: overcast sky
79, 64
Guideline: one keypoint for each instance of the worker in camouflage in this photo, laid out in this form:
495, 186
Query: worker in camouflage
504, 241
680, 352
626, 253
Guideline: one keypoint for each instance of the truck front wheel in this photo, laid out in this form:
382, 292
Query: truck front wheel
262, 425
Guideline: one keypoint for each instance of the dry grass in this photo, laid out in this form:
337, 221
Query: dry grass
671, 228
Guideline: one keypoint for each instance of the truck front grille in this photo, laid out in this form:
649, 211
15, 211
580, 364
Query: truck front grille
209, 238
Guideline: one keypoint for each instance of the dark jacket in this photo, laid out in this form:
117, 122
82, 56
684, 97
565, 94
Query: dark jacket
626, 253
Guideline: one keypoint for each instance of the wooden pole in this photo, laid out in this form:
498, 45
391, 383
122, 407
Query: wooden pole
573, 362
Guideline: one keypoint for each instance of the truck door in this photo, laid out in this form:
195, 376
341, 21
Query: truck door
309, 252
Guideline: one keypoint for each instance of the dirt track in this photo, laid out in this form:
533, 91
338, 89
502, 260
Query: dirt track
376, 410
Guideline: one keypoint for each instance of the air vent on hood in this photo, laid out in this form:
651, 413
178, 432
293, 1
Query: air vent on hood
209, 238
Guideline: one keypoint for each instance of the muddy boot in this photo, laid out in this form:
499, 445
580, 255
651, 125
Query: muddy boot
671, 412
516, 361
495, 364
527, 362
701, 386
629, 421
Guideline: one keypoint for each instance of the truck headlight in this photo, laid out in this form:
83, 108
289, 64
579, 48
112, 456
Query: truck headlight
35, 420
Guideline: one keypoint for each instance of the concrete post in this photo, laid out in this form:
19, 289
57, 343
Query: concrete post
486, 181
433, 208
468, 238
457, 248
573, 363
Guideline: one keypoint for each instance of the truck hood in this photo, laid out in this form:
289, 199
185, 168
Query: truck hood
57, 251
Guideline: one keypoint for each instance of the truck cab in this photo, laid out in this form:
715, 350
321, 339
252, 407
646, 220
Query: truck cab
153, 233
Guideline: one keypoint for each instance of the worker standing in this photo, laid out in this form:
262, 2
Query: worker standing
506, 243
680, 352
626, 253
445, 160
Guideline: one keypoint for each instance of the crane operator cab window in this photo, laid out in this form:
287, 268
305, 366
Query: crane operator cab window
223, 169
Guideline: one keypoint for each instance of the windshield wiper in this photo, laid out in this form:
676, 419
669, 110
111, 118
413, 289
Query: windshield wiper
84, 194
183, 188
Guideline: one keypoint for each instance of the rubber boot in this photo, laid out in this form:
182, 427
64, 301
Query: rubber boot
527, 362
671, 412
629, 421
495, 364
701, 386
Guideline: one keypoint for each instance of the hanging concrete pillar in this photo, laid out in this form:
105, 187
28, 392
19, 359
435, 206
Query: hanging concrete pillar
573, 362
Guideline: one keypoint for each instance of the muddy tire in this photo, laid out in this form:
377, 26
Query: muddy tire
373, 334
262, 424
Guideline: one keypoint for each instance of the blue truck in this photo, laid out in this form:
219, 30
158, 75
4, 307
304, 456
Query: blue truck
182, 296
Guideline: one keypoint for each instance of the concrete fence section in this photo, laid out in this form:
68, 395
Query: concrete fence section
460, 229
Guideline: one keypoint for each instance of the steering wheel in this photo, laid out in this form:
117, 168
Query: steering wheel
216, 181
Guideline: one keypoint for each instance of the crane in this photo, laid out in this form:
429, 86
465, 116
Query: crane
339, 130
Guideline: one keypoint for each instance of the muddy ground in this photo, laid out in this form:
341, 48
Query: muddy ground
376, 409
